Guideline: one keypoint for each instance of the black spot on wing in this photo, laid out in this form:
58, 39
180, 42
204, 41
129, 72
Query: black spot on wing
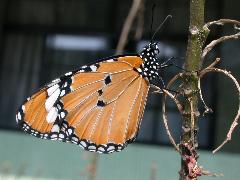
87, 69
100, 92
100, 103
108, 80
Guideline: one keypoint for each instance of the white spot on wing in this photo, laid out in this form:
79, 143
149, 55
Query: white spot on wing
19, 117
93, 68
62, 114
54, 137
110, 60
75, 139
83, 143
52, 89
23, 108
62, 93
92, 147
61, 136
68, 74
65, 84
56, 80
55, 128
70, 131
110, 148
52, 115
52, 99
101, 149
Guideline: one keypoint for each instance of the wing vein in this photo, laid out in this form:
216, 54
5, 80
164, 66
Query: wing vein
84, 115
144, 105
110, 121
113, 110
118, 72
95, 123
134, 79
102, 88
131, 109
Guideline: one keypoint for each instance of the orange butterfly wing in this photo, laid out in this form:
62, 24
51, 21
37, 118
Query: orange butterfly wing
98, 107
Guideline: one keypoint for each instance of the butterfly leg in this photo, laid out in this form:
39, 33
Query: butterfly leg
156, 89
160, 90
164, 87
167, 64
168, 60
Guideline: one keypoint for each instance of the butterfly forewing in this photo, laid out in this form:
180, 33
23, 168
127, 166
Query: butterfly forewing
99, 107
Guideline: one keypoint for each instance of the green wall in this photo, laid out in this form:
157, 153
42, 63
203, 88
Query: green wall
25, 156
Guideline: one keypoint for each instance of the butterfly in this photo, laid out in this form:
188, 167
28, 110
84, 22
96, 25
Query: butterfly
98, 107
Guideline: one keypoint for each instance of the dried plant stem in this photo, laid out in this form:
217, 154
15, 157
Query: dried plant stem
165, 119
214, 63
235, 121
207, 109
179, 106
207, 173
222, 22
192, 121
127, 25
211, 45
93, 167
140, 22
173, 97
154, 171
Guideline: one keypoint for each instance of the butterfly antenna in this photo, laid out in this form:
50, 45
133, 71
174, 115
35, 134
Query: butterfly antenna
153, 8
160, 26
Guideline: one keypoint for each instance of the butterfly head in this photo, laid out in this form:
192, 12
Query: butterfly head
150, 66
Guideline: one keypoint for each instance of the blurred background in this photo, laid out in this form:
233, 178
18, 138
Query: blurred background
42, 39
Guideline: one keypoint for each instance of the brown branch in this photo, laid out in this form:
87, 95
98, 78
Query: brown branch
235, 121
140, 22
214, 63
154, 171
179, 106
207, 109
127, 25
211, 45
222, 22
192, 120
207, 173
93, 167
165, 119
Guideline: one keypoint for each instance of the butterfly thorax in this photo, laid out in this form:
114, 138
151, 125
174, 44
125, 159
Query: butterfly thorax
150, 67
